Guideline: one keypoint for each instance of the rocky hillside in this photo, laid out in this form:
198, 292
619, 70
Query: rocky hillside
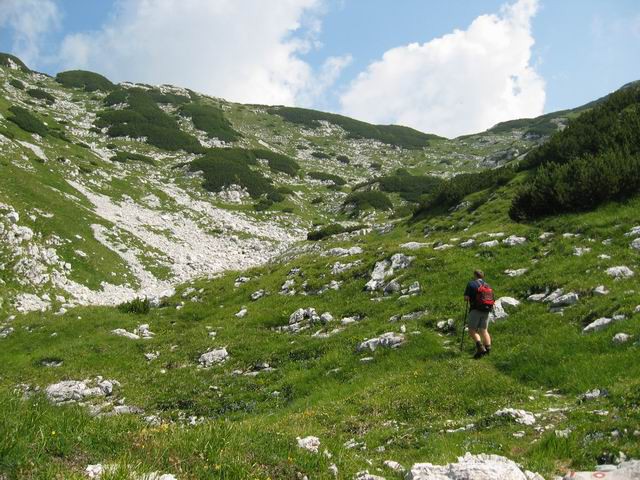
164, 315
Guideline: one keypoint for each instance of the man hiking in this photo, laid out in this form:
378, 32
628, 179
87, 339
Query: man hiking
479, 296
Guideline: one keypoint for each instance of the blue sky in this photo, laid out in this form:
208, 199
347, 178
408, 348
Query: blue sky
329, 54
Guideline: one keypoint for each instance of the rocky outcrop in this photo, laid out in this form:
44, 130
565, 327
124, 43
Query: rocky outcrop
472, 467
214, 357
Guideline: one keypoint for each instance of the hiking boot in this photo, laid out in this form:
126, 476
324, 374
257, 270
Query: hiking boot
479, 354
487, 349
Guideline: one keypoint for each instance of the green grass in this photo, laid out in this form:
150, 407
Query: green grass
211, 120
88, 81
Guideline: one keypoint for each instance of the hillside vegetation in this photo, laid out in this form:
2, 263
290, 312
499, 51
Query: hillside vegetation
177, 303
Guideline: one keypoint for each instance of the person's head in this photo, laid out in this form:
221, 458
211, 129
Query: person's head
479, 274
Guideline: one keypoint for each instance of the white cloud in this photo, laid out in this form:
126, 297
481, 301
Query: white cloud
247, 51
28, 21
463, 82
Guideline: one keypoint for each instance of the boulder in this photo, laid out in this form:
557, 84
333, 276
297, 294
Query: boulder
565, 300
12, 217
468, 243
310, 443
537, 297
213, 357
620, 272
444, 246
634, 232
490, 244
516, 273
629, 470
600, 291
344, 252
448, 325
514, 240
394, 466
519, 416
242, 313
392, 287
257, 295
76, 391
400, 261
620, 338
6, 331
365, 475
326, 317
635, 244
121, 332
553, 296
601, 323
413, 245
143, 331
386, 340
472, 467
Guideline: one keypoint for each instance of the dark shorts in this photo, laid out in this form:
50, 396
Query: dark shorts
478, 320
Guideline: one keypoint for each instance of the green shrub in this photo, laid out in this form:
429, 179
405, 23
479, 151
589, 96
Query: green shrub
371, 199
343, 159
320, 155
116, 97
578, 185
285, 190
278, 162
410, 187
41, 95
14, 82
210, 119
317, 200
451, 192
124, 157
26, 121
143, 118
390, 134
223, 167
263, 204
327, 177
168, 98
376, 166
89, 81
6, 59
140, 306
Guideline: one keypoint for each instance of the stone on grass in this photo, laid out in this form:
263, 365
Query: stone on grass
240, 280
468, 243
601, 323
365, 475
344, 252
6, 331
444, 246
326, 317
386, 340
514, 240
448, 325
121, 332
629, 470
310, 443
213, 357
565, 300
392, 287
75, 390
516, 273
601, 290
143, 331
400, 261
472, 467
490, 244
12, 217
620, 272
580, 251
519, 416
537, 297
635, 244
413, 245
395, 466
242, 313
620, 338
257, 295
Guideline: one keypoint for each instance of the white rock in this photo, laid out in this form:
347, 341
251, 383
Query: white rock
242, 313
490, 244
565, 300
553, 296
387, 340
620, 338
520, 416
309, 443
545, 235
580, 251
326, 317
365, 475
472, 467
603, 256
395, 466
414, 245
333, 470
400, 261
516, 273
6, 331
121, 332
514, 240
468, 243
212, 357
599, 324
344, 252
601, 290
444, 246
257, 295
13, 217
143, 331
75, 391
635, 244
620, 272
537, 297
635, 231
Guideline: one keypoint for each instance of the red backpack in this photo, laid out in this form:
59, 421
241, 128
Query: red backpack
484, 298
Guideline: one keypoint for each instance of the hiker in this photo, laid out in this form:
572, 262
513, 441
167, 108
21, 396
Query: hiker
479, 296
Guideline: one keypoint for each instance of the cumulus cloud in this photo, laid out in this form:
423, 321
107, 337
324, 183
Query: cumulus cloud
28, 21
463, 82
248, 51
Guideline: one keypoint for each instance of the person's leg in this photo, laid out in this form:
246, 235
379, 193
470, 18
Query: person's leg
473, 333
486, 339
475, 320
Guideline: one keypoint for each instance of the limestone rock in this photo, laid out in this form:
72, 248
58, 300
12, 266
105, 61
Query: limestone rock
344, 252
213, 357
519, 416
414, 245
620, 338
365, 475
635, 244
514, 240
386, 340
242, 312
468, 243
601, 324
620, 272
516, 273
121, 332
490, 244
601, 290
75, 390
395, 466
310, 443
565, 300
472, 467
257, 295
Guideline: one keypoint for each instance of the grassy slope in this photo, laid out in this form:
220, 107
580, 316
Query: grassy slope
422, 386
